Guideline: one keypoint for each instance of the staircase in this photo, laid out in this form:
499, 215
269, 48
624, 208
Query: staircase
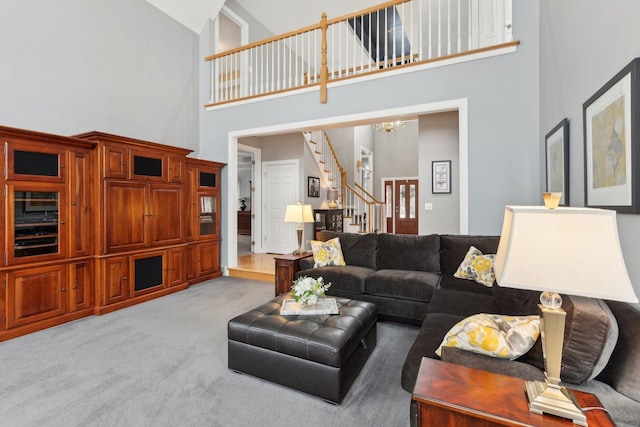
363, 213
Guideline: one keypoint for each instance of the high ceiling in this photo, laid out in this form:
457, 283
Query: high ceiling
193, 14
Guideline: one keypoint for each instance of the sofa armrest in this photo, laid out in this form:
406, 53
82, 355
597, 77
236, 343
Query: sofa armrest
513, 368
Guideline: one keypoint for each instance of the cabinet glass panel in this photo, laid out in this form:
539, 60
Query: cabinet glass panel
207, 215
34, 163
147, 166
207, 179
36, 223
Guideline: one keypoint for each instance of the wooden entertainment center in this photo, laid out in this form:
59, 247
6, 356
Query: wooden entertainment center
98, 222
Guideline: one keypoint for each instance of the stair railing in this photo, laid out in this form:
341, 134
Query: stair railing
394, 34
361, 212
330, 167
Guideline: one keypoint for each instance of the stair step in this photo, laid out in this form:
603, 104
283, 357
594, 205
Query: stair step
312, 141
322, 161
318, 152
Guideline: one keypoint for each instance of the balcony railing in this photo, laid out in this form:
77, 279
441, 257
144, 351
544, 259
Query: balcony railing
394, 34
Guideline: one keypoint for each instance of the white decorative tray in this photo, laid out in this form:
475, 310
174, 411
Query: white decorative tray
323, 306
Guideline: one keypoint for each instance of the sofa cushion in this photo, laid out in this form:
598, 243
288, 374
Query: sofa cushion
434, 327
454, 248
357, 249
403, 284
623, 370
348, 279
461, 303
477, 266
448, 281
516, 302
405, 252
327, 253
513, 368
496, 335
590, 334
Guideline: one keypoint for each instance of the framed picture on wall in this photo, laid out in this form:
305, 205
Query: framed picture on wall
441, 176
611, 145
313, 186
557, 160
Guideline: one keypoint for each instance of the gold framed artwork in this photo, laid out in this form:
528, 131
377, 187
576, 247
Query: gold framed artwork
612, 154
557, 160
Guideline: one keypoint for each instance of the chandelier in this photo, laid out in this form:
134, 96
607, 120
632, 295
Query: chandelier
390, 126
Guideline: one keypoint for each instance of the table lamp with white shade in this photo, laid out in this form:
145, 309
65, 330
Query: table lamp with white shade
573, 251
299, 214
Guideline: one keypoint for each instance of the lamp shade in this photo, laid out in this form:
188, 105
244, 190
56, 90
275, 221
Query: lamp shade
298, 213
575, 251
332, 194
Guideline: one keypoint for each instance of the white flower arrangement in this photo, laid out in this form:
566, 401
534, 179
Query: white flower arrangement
306, 290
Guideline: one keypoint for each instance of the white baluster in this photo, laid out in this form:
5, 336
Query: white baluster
448, 27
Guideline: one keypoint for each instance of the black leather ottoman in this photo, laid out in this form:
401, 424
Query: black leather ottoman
318, 354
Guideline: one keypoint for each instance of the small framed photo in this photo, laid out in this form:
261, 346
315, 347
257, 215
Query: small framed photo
313, 186
441, 177
557, 160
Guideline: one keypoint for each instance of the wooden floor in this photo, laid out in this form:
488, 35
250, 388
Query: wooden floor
255, 266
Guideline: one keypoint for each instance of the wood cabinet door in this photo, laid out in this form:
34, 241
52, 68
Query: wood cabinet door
176, 169
208, 258
115, 162
166, 214
192, 208
80, 286
35, 294
36, 222
116, 279
35, 161
148, 272
177, 266
192, 262
125, 216
80, 220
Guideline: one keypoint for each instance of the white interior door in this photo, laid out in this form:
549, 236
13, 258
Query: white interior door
281, 188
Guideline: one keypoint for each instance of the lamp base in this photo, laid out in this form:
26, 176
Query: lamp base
298, 252
554, 399
332, 204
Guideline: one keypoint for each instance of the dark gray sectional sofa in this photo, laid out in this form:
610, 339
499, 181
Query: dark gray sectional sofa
411, 280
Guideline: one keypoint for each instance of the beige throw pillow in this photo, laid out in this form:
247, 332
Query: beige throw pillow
477, 266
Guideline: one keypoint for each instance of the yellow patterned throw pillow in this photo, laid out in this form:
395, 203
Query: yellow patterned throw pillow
327, 253
505, 337
477, 266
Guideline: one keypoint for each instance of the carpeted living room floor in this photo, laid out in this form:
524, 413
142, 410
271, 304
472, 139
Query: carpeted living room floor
164, 363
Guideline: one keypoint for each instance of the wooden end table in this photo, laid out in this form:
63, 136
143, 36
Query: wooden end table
453, 395
286, 267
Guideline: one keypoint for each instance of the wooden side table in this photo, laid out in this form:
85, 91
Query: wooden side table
286, 267
454, 395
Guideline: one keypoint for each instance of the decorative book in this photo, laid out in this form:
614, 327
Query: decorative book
323, 306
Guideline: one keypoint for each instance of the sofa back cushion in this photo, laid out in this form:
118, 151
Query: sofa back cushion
590, 335
623, 370
408, 252
516, 302
453, 249
357, 249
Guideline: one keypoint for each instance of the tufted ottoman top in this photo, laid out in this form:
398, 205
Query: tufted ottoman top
326, 339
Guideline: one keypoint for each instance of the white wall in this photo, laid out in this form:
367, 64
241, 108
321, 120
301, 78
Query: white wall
439, 137
580, 52
117, 66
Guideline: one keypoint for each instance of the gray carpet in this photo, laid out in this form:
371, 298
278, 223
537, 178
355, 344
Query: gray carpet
164, 363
